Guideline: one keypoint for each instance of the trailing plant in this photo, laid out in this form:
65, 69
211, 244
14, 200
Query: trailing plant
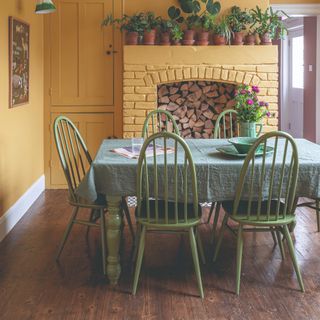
176, 33
222, 29
206, 21
238, 19
270, 22
248, 106
127, 23
166, 25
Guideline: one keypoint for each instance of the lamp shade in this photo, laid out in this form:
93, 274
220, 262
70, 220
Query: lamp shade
45, 6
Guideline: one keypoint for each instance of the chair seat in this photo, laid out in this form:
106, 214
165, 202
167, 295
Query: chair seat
171, 212
263, 219
100, 203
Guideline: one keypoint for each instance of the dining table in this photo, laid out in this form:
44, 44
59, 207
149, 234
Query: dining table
114, 176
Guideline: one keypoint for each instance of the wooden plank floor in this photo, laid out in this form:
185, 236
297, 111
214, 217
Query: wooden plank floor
33, 286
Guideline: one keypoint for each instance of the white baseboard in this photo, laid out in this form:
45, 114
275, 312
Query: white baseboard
17, 211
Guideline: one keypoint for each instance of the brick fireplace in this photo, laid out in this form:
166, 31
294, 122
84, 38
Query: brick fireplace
147, 70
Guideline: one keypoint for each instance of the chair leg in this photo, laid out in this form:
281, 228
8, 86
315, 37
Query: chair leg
136, 242
103, 241
67, 231
90, 220
223, 227
239, 257
139, 260
274, 237
195, 257
318, 214
278, 233
293, 257
200, 246
211, 211
128, 217
215, 221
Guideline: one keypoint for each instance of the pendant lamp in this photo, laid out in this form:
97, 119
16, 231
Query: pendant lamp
45, 6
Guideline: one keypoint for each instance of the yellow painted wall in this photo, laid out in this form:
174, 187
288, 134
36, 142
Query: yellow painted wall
21, 128
160, 6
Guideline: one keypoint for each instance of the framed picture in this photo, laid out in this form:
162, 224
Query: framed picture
19, 62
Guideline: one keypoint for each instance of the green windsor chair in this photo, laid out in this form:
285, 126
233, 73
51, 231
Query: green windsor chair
272, 210
74, 158
164, 185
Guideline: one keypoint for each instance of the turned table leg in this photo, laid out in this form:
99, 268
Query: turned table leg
114, 221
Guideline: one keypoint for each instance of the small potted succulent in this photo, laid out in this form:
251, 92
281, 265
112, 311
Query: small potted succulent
192, 9
268, 24
176, 35
238, 20
150, 23
221, 33
165, 28
250, 110
132, 25
206, 23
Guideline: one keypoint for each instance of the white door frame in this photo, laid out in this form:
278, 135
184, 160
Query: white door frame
296, 10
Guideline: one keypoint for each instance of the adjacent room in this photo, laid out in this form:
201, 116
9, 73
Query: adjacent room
160, 160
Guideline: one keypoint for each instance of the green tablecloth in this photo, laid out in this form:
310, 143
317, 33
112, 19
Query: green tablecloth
114, 175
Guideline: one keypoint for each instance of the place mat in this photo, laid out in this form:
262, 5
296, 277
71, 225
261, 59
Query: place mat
127, 152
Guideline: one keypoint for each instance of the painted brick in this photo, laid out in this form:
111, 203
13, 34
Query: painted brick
232, 75
269, 84
145, 89
247, 79
134, 97
171, 75
155, 77
216, 73
151, 97
179, 74
273, 76
133, 82
224, 74
194, 72
163, 76
156, 68
202, 71
263, 76
133, 67
245, 68
209, 73
273, 92
268, 68
128, 75
134, 113
128, 105
148, 80
140, 75
187, 73
132, 127
273, 122
227, 67
139, 120
273, 107
145, 105
255, 80
269, 128
239, 77
128, 120
270, 99
128, 135
128, 89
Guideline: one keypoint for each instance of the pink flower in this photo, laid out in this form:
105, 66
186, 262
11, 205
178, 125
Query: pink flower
255, 89
266, 104
261, 104
268, 114
249, 102
243, 91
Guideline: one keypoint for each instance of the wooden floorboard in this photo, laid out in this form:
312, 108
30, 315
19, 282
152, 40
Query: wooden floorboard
33, 286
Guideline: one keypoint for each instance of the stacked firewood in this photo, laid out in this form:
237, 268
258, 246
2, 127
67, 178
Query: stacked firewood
196, 105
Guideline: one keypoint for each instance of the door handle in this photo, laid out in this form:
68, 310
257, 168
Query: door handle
110, 52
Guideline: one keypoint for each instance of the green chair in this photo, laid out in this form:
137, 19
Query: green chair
164, 184
158, 121
274, 212
315, 204
75, 158
225, 127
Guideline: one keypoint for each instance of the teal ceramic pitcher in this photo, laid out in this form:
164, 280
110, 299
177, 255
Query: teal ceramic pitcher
250, 129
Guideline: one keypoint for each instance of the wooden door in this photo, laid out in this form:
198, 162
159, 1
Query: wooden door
83, 67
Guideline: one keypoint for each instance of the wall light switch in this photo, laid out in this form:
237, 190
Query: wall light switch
310, 67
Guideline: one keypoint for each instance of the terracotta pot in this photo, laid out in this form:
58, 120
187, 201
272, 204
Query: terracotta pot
149, 37
265, 39
250, 40
203, 38
219, 40
237, 39
165, 39
188, 39
132, 38
176, 42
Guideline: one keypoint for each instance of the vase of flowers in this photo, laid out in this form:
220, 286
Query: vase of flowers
250, 110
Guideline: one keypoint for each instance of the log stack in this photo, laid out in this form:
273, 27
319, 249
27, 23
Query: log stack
196, 105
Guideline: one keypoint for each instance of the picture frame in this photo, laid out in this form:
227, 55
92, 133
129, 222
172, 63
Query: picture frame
19, 62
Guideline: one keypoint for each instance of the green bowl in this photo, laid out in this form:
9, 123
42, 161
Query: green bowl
243, 144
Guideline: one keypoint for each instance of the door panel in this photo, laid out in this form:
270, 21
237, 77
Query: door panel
82, 71
94, 128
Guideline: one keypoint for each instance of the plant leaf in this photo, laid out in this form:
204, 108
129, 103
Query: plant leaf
196, 7
213, 7
187, 6
174, 12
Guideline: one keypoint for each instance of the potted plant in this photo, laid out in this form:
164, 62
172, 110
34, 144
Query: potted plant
250, 110
133, 25
192, 9
165, 28
176, 35
150, 23
250, 38
221, 33
206, 23
238, 20
268, 24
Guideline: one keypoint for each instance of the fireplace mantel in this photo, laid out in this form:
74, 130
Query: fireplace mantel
147, 67
191, 55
